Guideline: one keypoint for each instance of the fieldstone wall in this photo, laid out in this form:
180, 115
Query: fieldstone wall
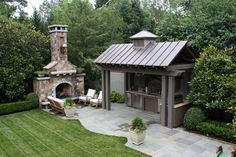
45, 86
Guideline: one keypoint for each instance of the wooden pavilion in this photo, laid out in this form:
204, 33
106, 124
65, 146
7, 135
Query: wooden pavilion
156, 75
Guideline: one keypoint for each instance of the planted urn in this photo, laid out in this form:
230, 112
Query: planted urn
137, 131
69, 107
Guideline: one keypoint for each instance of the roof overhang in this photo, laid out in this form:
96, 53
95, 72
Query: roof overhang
163, 71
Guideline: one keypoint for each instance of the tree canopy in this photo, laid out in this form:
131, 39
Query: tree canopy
21, 51
92, 29
214, 83
202, 22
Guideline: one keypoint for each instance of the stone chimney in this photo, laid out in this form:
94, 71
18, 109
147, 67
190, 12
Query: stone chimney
59, 54
58, 35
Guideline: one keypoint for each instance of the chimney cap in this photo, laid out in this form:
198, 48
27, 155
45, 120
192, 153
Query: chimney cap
58, 28
144, 34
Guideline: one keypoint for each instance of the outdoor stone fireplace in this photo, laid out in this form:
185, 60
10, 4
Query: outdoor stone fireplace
62, 79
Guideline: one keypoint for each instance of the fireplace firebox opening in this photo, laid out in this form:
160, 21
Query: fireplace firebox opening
63, 90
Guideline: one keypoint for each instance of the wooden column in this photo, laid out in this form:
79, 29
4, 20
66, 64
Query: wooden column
125, 87
108, 91
163, 111
103, 89
184, 84
171, 100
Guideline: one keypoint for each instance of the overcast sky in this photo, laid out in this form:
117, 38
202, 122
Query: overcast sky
35, 4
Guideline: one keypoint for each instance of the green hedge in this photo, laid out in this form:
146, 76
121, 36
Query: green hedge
31, 102
193, 117
217, 129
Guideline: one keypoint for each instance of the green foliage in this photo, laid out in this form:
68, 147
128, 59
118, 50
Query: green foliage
93, 75
41, 73
9, 7
233, 110
38, 22
133, 16
90, 33
32, 97
214, 84
68, 103
31, 102
100, 3
217, 129
193, 117
80, 70
202, 22
21, 51
117, 97
138, 125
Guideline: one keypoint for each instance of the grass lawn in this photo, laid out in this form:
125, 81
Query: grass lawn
39, 134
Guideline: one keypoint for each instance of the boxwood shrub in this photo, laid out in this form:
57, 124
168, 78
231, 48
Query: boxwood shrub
117, 97
193, 117
31, 102
217, 129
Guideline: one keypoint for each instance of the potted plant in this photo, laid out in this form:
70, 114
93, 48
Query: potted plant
69, 107
137, 131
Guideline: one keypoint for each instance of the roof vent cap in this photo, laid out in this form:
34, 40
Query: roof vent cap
142, 39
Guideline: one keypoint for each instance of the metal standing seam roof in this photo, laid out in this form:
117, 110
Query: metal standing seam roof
154, 54
143, 34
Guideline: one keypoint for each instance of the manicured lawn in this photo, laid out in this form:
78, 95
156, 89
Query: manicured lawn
39, 134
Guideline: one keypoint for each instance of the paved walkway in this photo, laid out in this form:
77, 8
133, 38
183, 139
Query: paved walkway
160, 141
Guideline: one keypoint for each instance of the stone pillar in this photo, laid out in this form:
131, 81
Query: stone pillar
163, 111
171, 100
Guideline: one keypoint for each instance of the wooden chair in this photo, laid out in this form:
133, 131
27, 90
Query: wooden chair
56, 104
97, 102
90, 95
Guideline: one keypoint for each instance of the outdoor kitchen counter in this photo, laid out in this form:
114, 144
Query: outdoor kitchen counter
144, 101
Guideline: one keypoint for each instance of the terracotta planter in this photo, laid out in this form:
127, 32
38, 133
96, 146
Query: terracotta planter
137, 138
70, 112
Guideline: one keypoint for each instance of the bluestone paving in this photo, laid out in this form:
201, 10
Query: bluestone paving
160, 141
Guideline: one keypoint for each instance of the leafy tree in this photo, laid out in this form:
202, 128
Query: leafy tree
21, 51
204, 22
39, 24
100, 3
9, 7
214, 84
133, 16
91, 31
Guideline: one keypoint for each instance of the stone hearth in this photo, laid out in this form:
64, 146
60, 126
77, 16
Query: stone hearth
62, 80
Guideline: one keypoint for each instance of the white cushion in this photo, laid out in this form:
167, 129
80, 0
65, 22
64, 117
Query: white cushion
94, 101
91, 93
83, 98
61, 102
100, 95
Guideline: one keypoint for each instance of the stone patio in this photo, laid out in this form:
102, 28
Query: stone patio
160, 141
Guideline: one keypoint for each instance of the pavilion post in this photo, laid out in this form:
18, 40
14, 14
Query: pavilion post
103, 89
164, 101
171, 100
108, 90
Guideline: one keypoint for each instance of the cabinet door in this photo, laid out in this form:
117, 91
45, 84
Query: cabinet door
151, 104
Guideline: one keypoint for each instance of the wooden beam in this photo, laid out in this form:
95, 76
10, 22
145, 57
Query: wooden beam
180, 67
159, 71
